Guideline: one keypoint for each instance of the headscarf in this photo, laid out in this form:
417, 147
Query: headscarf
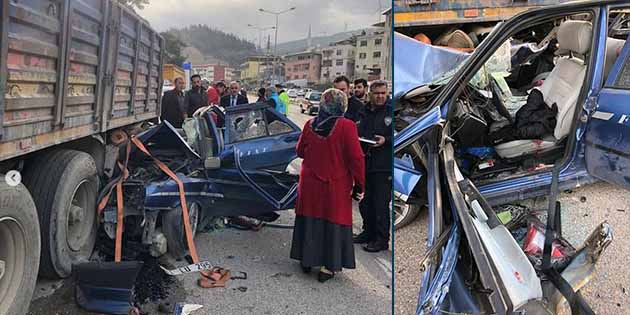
333, 103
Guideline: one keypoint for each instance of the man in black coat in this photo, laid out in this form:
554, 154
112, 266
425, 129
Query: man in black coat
354, 104
376, 125
173, 107
233, 98
196, 97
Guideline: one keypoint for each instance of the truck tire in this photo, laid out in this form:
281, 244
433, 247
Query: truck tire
64, 185
19, 248
173, 228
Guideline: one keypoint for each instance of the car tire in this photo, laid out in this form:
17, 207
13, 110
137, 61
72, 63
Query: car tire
64, 185
404, 213
173, 228
19, 248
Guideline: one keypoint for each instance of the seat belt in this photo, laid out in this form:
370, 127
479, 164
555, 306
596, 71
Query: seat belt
576, 301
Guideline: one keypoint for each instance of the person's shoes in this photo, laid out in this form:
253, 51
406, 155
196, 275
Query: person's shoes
376, 246
325, 275
306, 269
362, 238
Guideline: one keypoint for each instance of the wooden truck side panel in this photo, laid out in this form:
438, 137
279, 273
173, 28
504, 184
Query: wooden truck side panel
74, 68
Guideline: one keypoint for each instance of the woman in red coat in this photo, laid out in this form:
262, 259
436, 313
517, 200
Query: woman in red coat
333, 165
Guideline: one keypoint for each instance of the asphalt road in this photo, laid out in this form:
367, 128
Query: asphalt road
583, 209
275, 283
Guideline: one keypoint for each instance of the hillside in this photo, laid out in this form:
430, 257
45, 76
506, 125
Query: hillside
212, 42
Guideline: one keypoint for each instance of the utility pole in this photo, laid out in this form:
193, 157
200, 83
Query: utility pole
275, 47
260, 32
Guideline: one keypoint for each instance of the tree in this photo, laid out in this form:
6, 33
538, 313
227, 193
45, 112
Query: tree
135, 3
174, 46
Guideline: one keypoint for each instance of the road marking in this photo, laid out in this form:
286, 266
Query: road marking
13, 178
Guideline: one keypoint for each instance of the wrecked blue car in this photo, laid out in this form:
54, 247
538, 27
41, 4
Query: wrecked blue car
485, 256
232, 163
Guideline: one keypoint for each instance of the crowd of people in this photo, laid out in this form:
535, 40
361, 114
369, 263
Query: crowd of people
347, 154
177, 104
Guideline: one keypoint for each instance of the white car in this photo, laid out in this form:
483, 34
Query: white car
293, 93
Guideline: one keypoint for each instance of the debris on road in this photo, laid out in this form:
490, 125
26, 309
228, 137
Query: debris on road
186, 309
242, 276
204, 265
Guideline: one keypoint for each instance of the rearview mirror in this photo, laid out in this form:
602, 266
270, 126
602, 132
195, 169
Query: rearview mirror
212, 163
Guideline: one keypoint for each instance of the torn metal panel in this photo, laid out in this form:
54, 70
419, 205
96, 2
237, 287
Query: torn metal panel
411, 58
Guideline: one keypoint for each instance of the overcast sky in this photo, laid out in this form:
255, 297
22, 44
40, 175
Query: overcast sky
232, 16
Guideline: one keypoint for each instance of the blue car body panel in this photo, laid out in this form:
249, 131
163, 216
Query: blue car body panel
243, 185
607, 138
406, 177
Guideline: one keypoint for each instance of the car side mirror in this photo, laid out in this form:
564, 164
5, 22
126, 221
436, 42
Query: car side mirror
212, 163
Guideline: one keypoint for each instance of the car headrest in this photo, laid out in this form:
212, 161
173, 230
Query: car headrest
575, 36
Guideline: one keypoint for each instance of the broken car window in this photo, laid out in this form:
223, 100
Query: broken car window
247, 125
276, 125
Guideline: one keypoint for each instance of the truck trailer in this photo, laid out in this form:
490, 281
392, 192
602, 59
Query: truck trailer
73, 72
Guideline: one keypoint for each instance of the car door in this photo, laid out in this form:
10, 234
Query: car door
252, 178
607, 139
265, 139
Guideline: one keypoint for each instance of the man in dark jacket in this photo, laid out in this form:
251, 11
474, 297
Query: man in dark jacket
196, 97
173, 107
376, 125
360, 90
233, 98
354, 104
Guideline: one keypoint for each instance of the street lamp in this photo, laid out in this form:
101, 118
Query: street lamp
275, 45
260, 31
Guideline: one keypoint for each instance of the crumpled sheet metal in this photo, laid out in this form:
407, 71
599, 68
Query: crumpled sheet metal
416, 63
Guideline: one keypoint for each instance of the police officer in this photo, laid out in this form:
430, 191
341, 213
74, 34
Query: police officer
376, 125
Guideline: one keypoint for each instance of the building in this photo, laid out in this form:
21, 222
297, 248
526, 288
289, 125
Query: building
214, 72
388, 42
303, 65
371, 53
255, 69
338, 59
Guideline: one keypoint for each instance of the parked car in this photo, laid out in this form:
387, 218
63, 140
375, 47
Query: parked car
292, 93
310, 103
443, 144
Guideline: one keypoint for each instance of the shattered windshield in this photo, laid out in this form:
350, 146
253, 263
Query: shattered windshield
247, 125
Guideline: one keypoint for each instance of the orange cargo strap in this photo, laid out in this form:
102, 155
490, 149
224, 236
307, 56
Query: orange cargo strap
213, 278
182, 198
217, 277
119, 204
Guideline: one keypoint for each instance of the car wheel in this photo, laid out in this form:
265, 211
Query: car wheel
404, 213
19, 248
173, 228
64, 186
